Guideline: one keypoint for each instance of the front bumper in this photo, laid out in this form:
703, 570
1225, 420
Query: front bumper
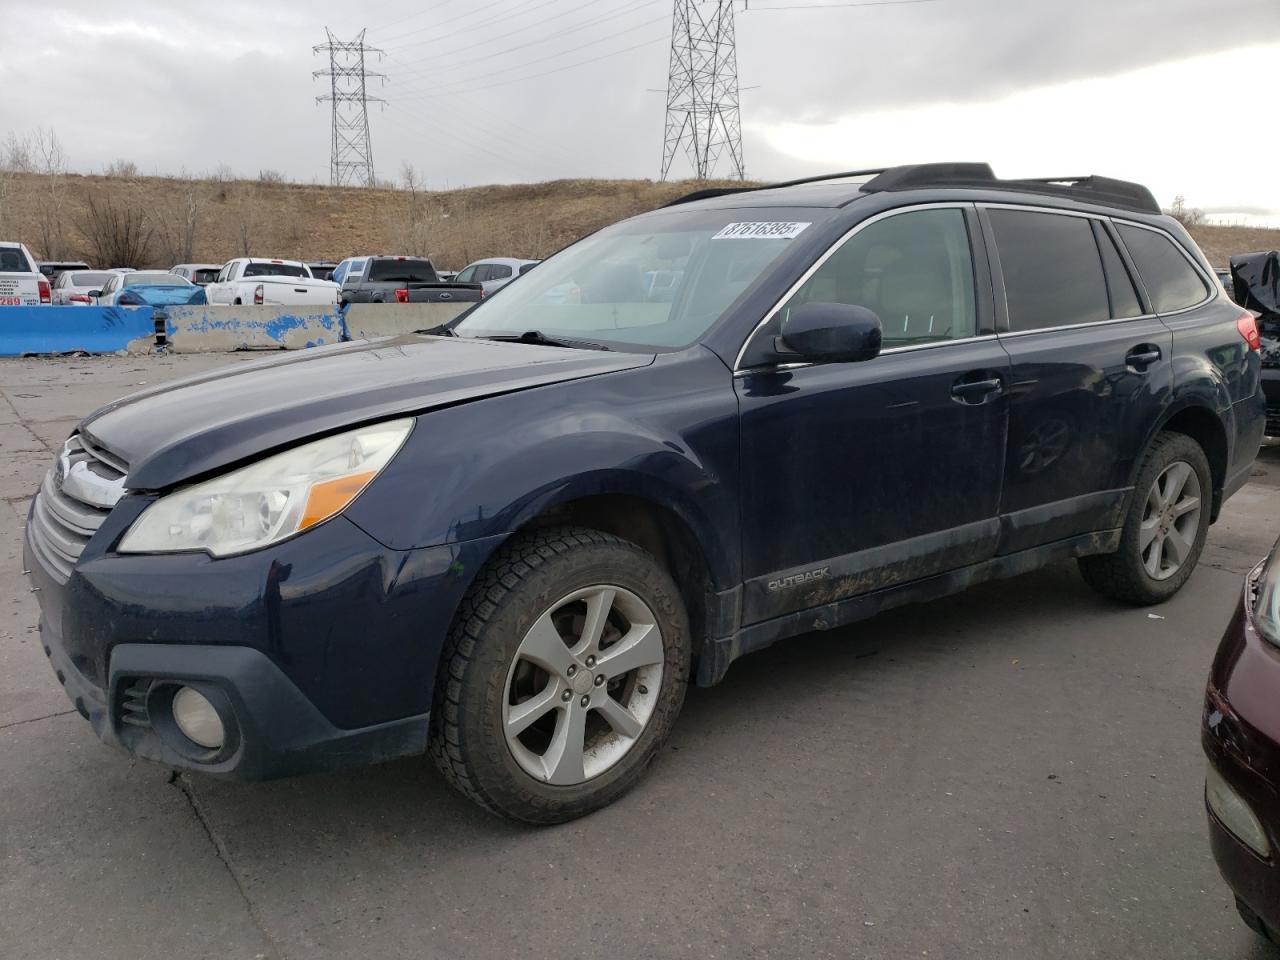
1240, 735
320, 651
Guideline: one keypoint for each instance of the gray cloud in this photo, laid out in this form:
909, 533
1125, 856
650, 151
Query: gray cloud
174, 84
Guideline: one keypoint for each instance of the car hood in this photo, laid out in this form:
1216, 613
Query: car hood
185, 428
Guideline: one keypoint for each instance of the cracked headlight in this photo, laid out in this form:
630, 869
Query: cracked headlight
269, 500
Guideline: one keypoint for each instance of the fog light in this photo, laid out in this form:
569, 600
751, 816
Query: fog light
1234, 813
197, 719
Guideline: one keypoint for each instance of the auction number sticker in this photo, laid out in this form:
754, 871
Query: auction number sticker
765, 230
10, 301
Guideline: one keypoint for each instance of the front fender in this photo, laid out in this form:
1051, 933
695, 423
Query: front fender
666, 433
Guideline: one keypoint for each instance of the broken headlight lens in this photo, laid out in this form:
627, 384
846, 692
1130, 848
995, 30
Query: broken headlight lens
269, 500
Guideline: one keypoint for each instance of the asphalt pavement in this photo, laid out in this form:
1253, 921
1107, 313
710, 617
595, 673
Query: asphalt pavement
1013, 772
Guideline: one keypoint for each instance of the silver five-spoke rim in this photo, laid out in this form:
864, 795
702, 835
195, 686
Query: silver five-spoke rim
1170, 521
583, 684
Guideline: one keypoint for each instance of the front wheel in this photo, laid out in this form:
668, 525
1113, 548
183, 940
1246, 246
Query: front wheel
563, 674
1164, 529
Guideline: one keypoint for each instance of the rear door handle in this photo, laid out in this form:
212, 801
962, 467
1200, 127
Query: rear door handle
1142, 356
975, 391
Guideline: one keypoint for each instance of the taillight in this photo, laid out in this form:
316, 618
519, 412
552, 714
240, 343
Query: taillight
46, 295
482, 293
79, 298
402, 295
257, 294
1248, 327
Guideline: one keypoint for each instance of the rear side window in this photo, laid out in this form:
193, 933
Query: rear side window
1124, 300
526, 267
205, 276
498, 271
1171, 281
915, 270
13, 261
1052, 271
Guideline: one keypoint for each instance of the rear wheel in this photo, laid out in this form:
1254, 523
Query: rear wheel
1164, 529
562, 676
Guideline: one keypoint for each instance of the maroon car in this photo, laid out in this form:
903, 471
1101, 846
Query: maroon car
1241, 736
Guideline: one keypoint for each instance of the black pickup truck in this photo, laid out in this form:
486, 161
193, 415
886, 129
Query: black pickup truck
401, 280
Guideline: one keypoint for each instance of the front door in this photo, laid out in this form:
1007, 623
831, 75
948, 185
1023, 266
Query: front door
858, 476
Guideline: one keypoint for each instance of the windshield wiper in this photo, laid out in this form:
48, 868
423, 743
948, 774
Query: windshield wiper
542, 340
440, 330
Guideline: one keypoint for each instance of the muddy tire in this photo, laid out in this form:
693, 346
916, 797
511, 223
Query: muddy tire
563, 673
1164, 529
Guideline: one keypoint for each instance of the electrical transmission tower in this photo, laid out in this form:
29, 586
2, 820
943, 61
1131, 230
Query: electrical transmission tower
351, 158
702, 89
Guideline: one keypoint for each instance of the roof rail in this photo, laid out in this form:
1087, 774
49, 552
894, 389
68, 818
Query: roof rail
725, 191
1090, 189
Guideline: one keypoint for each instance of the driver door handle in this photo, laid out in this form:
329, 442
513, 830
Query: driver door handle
976, 391
1142, 356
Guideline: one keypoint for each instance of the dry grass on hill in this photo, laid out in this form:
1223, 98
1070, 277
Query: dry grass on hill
214, 220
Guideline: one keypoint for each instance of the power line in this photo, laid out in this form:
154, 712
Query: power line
703, 117
351, 153
462, 16
834, 6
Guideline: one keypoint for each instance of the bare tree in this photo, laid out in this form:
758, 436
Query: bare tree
122, 169
179, 221
1187, 216
52, 166
244, 214
119, 233
412, 225
18, 156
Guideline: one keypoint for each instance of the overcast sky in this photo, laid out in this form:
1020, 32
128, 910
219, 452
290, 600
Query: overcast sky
1179, 94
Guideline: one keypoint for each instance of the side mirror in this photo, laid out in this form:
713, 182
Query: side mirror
94, 293
829, 333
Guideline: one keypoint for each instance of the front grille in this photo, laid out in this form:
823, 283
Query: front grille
1273, 420
74, 499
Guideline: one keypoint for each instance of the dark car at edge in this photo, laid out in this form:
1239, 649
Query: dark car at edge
512, 545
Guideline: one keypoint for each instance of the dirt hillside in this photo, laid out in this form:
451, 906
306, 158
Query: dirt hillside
159, 221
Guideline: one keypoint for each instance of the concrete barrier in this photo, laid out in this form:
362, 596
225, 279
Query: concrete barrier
211, 329
367, 320
48, 329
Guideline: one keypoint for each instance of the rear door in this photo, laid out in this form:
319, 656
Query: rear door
1091, 372
858, 476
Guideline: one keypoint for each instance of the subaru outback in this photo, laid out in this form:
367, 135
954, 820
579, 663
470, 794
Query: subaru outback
512, 542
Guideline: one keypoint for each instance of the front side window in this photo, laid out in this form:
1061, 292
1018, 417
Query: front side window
658, 280
1171, 281
914, 270
1052, 270
466, 275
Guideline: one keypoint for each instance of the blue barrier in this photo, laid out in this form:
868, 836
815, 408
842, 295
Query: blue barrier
48, 329
214, 328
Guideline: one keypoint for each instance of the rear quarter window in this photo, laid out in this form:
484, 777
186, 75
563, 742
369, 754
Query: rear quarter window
1171, 281
1052, 270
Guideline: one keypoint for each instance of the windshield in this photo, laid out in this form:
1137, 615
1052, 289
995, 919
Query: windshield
405, 271
656, 281
87, 278
274, 270
153, 278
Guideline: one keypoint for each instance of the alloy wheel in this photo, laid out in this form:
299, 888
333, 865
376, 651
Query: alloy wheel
583, 684
1171, 520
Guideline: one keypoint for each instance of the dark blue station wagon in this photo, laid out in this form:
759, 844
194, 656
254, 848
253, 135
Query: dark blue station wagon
753, 414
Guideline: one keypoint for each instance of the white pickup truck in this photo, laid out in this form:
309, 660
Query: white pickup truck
253, 280
21, 283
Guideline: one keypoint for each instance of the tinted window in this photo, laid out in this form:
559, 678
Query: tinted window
273, 270
914, 270
1052, 271
403, 271
12, 261
206, 276
86, 278
1124, 300
1171, 281
498, 271
466, 276
525, 268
